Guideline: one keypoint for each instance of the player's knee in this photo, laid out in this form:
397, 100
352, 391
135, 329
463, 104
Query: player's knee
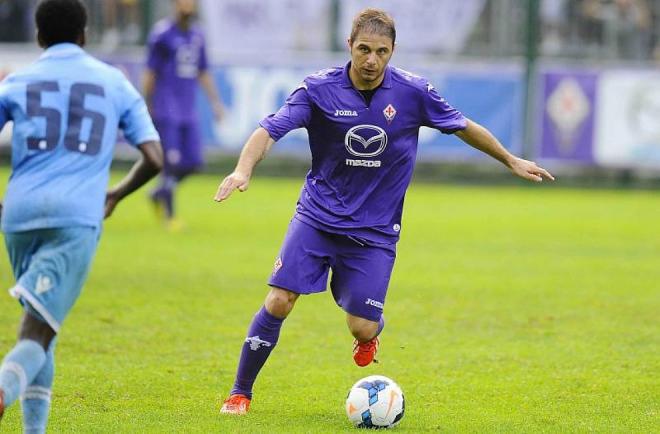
362, 329
280, 302
36, 330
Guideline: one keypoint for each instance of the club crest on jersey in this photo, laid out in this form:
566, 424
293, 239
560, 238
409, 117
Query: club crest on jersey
389, 113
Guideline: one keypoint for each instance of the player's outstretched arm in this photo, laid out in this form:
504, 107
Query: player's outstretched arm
480, 138
253, 152
148, 166
211, 91
148, 87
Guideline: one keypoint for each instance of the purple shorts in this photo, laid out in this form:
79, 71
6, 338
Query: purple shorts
181, 145
360, 272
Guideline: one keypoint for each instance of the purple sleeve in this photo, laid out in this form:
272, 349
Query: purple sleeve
203, 59
295, 113
439, 114
155, 52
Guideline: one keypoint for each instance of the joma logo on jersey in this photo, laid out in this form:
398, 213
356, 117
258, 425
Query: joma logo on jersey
346, 113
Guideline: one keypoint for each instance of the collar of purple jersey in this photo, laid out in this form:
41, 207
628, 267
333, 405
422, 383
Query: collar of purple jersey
387, 79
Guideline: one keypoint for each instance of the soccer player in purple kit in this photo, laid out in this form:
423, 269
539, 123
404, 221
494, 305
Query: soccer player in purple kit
363, 121
176, 64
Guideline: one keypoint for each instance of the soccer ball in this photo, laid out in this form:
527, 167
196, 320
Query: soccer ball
375, 402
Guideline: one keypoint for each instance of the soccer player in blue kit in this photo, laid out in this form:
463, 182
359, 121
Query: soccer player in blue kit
66, 109
363, 121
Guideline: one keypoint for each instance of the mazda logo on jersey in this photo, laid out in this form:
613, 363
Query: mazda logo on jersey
365, 140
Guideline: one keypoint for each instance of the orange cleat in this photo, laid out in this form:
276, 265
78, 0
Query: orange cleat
236, 404
365, 352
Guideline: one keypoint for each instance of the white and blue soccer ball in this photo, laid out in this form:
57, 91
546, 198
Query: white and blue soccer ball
375, 402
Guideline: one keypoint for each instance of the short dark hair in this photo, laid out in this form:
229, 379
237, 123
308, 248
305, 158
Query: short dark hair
372, 20
60, 21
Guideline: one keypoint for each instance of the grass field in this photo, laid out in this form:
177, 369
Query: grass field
511, 309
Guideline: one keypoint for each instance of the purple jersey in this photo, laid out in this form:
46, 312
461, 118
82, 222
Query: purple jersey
362, 156
176, 57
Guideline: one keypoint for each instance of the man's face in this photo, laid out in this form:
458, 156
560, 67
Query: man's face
370, 54
185, 8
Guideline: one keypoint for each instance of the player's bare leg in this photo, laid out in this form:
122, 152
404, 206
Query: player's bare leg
262, 338
280, 302
366, 341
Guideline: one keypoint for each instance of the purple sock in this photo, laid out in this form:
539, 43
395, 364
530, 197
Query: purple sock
168, 201
165, 194
169, 185
262, 337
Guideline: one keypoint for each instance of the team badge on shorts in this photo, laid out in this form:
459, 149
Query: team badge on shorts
277, 266
389, 113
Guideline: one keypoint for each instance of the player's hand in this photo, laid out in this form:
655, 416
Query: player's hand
529, 170
111, 201
234, 181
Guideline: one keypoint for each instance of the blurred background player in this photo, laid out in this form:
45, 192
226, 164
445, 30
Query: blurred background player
363, 122
176, 63
66, 109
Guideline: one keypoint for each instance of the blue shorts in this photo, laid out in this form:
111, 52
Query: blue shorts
360, 272
182, 146
50, 267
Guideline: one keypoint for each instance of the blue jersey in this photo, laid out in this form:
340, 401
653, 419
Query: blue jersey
363, 154
66, 109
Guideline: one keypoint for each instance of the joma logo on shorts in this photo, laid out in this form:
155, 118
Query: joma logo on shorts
374, 303
350, 113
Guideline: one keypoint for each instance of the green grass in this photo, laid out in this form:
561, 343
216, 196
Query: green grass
512, 309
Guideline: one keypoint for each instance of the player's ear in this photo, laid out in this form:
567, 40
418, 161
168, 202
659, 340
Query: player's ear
82, 39
350, 44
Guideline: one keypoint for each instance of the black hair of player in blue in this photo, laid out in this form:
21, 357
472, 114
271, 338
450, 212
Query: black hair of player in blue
60, 21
